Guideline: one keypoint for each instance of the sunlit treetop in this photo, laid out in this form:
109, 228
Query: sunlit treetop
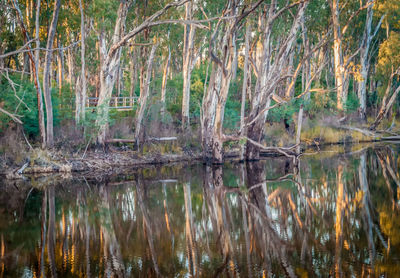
389, 54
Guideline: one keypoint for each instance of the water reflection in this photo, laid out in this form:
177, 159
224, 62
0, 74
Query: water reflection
324, 216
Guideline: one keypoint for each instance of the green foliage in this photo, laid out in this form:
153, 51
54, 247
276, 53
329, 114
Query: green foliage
24, 103
352, 102
26, 108
284, 112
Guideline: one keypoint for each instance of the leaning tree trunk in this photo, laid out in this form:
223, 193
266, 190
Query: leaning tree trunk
144, 95
46, 75
386, 105
188, 44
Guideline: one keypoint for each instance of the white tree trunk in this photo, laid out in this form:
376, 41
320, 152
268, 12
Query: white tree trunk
39, 88
364, 61
214, 102
133, 70
338, 57
81, 94
47, 73
108, 72
60, 67
245, 87
110, 60
144, 95
188, 45
271, 68
164, 83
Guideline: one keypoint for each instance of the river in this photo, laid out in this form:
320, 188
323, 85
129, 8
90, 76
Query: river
334, 213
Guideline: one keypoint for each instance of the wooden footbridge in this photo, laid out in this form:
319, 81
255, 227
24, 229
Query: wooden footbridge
119, 103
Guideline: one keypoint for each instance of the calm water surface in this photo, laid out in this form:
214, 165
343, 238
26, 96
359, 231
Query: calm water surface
334, 215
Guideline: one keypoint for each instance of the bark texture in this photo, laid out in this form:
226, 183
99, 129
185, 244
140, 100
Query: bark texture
271, 68
188, 56
109, 70
111, 56
215, 99
144, 95
47, 73
80, 99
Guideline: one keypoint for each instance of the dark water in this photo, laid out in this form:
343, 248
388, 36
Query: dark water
335, 215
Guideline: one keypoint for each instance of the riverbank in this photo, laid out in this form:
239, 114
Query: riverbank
100, 163
20, 158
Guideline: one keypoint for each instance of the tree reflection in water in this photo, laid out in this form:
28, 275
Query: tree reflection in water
324, 216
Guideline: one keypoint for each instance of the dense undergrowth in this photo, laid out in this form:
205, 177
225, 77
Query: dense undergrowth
320, 111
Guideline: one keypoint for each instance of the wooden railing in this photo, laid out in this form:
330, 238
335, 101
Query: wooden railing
120, 103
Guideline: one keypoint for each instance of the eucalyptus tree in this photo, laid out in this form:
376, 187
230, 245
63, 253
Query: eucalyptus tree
387, 62
365, 57
188, 62
166, 69
188, 39
111, 56
222, 55
339, 67
35, 67
46, 75
345, 45
270, 70
144, 95
389, 65
80, 99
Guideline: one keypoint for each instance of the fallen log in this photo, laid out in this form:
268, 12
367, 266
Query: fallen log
121, 141
160, 139
373, 135
366, 132
163, 139
390, 138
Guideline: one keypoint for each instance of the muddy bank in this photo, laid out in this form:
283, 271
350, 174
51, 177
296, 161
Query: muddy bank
41, 162
100, 163
45, 162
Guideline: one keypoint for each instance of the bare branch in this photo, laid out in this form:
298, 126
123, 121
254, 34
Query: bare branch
354, 15
12, 116
23, 50
20, 50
